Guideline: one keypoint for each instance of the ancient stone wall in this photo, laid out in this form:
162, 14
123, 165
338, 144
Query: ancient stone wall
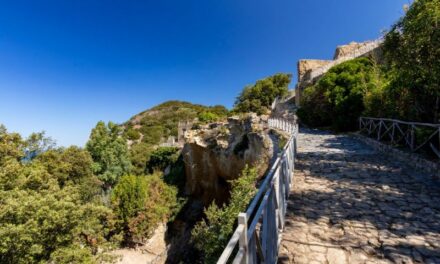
311, 70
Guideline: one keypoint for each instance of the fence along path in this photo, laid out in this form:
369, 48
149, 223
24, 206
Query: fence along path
257, 236
401, 132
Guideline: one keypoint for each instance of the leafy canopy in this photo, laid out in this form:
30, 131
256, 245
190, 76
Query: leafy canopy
46, 214
412, 48
258, 98
141, 203
337, 99
109, 153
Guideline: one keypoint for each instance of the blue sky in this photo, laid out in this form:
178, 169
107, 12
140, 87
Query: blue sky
64, 65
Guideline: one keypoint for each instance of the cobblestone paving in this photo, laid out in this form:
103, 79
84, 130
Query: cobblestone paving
349, 204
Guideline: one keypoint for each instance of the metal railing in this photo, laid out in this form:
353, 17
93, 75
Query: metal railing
258, 234
413, 135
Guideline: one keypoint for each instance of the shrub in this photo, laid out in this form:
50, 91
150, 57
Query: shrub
337, 99
258, 98
133, 134
161, 158
141, 203
212, 234
206, 117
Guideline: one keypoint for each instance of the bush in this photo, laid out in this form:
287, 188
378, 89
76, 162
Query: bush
212, 234
206, 117
161, 158
140, 155
337, 99
133, 134
141, 203
259, 97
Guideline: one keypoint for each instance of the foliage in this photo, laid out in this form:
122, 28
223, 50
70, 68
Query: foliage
212, 234
44, 214
109, 152
141, 203
206, 117
412, 48
337, 99
258, 98
161, 158
139, 156
133, 134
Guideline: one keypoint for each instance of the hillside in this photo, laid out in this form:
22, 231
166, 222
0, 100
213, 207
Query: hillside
159, 122
147, 130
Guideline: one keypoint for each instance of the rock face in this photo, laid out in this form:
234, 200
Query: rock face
217, 153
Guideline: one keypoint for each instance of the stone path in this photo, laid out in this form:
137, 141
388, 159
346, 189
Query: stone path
349, 204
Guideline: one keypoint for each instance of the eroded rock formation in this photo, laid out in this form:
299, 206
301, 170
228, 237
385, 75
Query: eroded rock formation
217, 153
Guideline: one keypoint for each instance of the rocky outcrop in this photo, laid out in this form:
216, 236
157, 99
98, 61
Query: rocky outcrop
217, 153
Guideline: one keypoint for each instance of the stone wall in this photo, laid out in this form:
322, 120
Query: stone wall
309, 71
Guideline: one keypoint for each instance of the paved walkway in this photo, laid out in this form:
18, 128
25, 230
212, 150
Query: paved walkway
349, 204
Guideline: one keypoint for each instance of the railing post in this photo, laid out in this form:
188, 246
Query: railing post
412, 137
378, 131
243, 242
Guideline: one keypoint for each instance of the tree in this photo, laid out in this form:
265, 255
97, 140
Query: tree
412, 48
43, 214
141, 203
38, 143
140, 155
212, 234
161, 158
337, 99
109, 153
258, 98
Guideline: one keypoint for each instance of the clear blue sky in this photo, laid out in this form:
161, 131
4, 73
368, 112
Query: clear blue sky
64, 65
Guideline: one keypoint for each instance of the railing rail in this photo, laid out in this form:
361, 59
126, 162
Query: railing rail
398, 132
257, 236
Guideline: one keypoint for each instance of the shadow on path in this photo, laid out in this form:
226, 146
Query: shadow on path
351, 204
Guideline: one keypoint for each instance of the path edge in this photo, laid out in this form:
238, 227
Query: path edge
430, 167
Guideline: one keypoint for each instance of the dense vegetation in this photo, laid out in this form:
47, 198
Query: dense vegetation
72, 205
258, 98
141, 203
337, 99
406, 85
412, 48
212, 234
50, 205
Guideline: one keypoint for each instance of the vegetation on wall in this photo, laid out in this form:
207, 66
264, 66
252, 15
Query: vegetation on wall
259, 97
